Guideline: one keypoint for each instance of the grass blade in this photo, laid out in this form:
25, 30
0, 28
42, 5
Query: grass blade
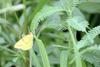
43, 53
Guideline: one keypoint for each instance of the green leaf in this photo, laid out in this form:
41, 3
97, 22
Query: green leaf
63, 59
78, 23
12, 8
43, 14
89, 37
38, 8
43, 53
54, 22
68, 5
92, 55
90, 7
34, 25
35, 59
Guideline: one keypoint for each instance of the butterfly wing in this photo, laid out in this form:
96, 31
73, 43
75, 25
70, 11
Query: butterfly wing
19, 44
25, 43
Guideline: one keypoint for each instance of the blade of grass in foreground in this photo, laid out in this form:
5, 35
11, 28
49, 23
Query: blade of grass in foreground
63, 59
43, 53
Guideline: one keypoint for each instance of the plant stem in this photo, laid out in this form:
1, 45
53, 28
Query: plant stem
25, 30
77, 55
76, 52
30, 55
26, 62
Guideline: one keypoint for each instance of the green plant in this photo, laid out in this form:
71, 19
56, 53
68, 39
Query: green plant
62, 34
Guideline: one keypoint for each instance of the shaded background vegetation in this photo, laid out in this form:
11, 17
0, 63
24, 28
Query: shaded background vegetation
16, 17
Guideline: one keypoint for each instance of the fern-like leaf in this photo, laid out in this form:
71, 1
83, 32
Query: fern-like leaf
89, 37
78, 23
92, 55
44, 13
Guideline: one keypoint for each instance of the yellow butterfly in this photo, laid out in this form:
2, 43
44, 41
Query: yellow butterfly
25, 43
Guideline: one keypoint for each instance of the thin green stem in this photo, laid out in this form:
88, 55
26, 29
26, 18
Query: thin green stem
72, 36
25, 28
76, 52
30, 55
77, 55
17, 19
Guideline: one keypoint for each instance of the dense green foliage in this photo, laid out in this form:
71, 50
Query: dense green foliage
66, 33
